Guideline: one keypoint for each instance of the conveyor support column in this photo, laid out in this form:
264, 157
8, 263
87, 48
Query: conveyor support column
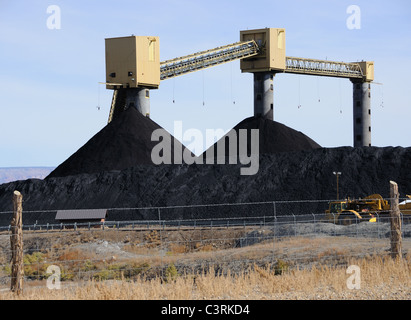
264, 95
362, 113
139, 98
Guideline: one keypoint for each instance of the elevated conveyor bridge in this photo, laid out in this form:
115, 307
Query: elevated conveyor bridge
133, 68
206, 59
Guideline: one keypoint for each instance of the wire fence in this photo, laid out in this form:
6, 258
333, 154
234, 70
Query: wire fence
126, 249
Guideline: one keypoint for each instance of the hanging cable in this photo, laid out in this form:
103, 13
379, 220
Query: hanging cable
339, 83
318, 89
98, 96
203, 88
299, 92
174, 85
231, 83
382, 92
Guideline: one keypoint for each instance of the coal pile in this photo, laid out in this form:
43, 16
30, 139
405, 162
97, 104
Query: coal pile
276, 137
114, 170
123, 143
273, 137
299, 175
126, 142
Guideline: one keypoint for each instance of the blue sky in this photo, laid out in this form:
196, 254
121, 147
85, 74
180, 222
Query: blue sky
49, 78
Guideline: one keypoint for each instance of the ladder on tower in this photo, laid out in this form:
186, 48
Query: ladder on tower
118, 103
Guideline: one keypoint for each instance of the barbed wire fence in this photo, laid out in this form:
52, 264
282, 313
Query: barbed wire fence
169, 241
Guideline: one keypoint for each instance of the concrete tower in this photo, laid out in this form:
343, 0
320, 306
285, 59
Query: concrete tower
362, 105
362, 113
270, 60
264, 95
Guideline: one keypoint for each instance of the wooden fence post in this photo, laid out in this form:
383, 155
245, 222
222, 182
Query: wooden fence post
16, 241
395, 218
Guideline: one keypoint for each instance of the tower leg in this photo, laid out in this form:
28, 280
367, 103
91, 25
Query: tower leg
139, 98
264, 95
362, 113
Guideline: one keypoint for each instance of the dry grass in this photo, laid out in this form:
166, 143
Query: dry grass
381, 278
313, 267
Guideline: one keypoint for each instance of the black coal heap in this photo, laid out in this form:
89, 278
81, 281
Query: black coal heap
114, 170
123, 143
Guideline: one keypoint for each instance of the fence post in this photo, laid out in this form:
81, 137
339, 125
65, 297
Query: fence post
295, 225
314, 221
274, 227
16, 241
395, 218
378, 224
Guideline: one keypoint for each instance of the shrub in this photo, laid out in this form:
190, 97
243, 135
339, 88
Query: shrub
280, 267
153, 239
117, 271
178, 248
34, 266
89, 266
171, 273
136, 269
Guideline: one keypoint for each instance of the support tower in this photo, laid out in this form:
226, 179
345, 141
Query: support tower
133, 67
362, 106
269, 60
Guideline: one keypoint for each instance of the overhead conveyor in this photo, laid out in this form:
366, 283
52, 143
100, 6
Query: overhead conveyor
323, 68
209, 58
133, 68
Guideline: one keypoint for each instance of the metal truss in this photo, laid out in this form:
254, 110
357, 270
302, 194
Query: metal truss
209, 58
323, 68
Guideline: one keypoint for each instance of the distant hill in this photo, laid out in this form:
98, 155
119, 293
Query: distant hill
23, 173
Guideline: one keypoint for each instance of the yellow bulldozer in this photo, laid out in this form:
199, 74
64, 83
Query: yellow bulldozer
349, 211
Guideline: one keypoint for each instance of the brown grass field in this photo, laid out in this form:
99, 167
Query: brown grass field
181, 265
